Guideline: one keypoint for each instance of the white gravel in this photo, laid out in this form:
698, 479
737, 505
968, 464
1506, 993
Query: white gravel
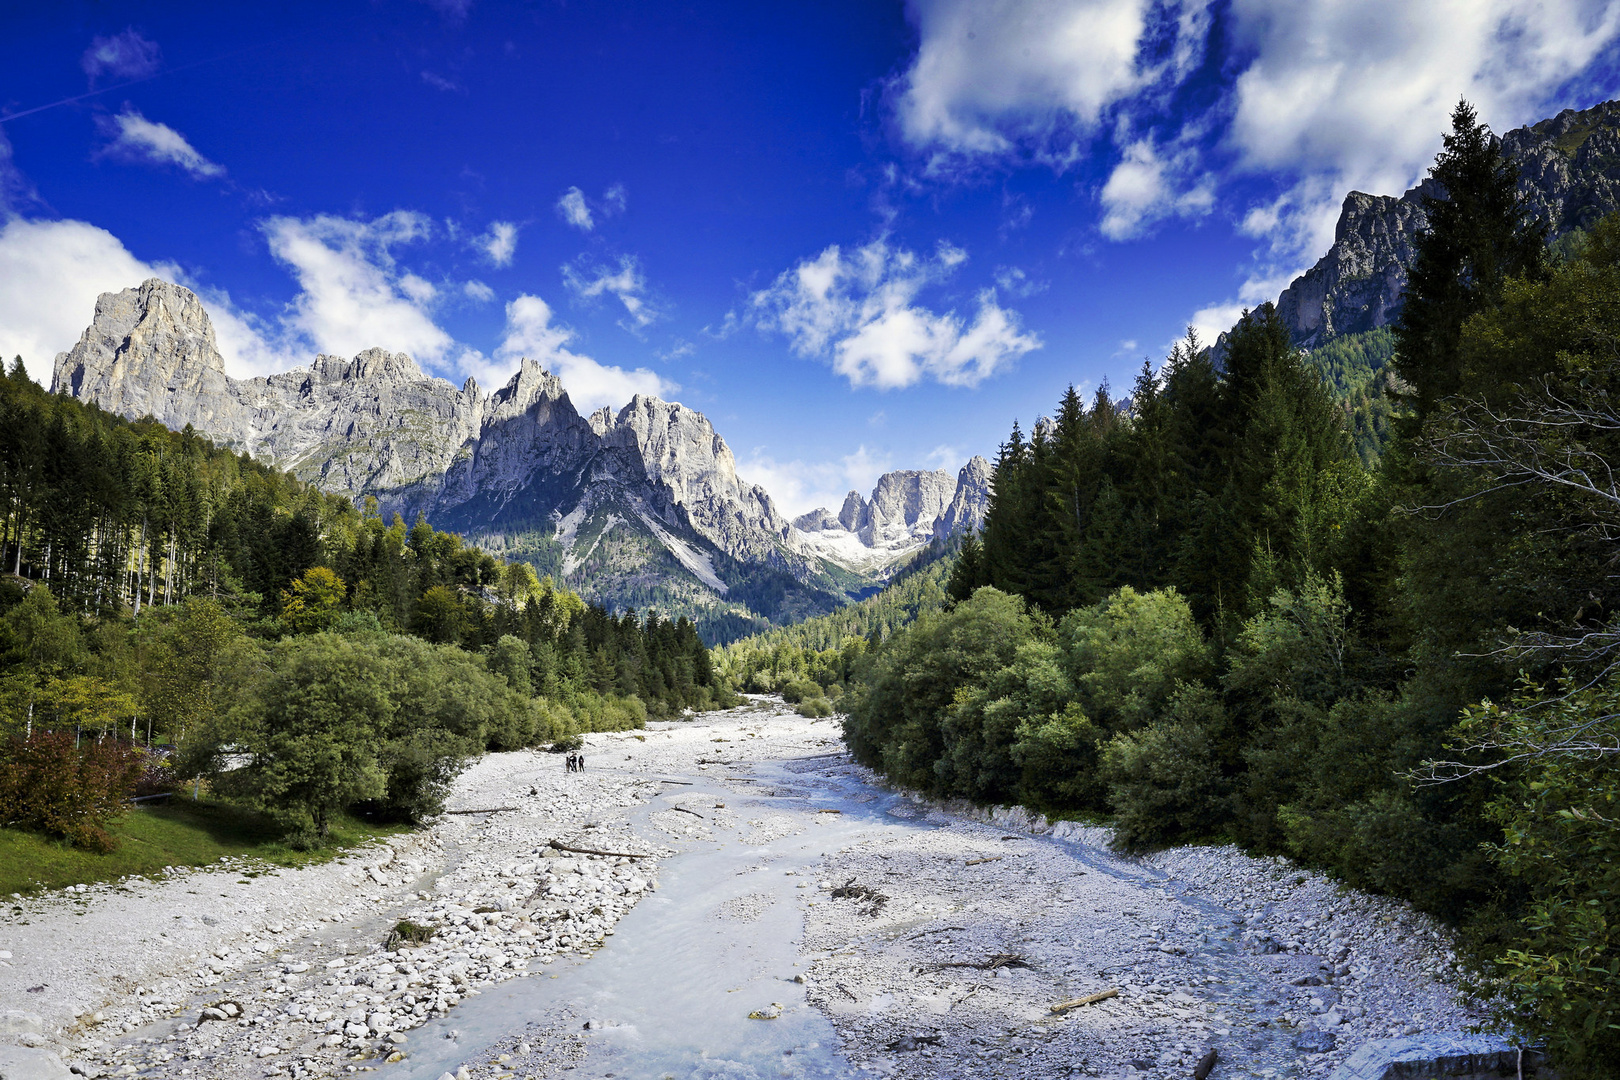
1208, 947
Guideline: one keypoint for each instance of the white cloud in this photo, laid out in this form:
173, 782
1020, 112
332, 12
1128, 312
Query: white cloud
477, 290
135, 138
798, 487
574, 210
1012, 280
1148, 185
439, 82
54, 270
500, 243
353, 296
995, 77
128, 55
531, 333
614, 199
861, 311
591, 282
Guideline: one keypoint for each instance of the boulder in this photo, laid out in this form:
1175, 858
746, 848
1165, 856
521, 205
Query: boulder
22, 1063
1451, 1054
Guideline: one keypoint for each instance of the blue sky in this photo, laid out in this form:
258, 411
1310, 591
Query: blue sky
858, 236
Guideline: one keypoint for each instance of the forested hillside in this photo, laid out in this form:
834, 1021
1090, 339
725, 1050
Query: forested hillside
160, 589
813, 662
1206, 618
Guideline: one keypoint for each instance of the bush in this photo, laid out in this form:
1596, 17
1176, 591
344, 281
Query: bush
1561, 842
814, 707
48, 784
799, 689
1163, 781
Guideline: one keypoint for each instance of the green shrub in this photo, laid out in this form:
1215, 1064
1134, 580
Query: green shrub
1163, 781
798, 690
1561, 841
814, 706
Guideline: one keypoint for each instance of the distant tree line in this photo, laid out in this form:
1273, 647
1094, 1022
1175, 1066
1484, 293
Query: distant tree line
1204, 617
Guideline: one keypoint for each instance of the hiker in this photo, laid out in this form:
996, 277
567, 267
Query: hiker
581, 763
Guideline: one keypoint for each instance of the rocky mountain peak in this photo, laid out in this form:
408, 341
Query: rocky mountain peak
147, 350
908, 508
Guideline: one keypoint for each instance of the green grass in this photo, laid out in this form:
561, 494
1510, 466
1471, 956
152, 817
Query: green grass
149, 838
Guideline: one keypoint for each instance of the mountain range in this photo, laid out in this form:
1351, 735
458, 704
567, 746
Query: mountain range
636, 509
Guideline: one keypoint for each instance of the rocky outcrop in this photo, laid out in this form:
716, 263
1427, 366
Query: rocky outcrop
907, 509
1569, 178
970, 502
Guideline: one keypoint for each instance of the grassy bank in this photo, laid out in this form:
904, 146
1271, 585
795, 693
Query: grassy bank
184, 834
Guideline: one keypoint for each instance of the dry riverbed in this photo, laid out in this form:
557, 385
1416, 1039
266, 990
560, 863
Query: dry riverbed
936, 939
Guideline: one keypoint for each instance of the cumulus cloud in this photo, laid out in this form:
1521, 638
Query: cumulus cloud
530, 332
353, 295
1148, 185
128, 55
54, 271
591, 282
499, 243
575, 211
799, 486
861, 312
1035, 77
132, 137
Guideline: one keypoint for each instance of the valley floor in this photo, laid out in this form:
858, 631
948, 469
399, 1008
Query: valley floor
785, 915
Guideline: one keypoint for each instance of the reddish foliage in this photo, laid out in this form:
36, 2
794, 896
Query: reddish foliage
48, 784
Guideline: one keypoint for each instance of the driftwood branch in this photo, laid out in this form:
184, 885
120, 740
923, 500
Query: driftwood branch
1090, 999
485, 810
560, 846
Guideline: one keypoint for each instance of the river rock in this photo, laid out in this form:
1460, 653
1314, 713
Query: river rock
23, 1063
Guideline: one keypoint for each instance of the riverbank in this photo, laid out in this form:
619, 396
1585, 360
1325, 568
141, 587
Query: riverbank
934, 938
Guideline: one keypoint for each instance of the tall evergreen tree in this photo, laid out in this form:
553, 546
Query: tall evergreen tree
1476, 238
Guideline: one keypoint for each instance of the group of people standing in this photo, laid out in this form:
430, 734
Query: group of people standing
576, 762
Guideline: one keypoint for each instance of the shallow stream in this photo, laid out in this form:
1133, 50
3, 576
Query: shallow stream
669, 994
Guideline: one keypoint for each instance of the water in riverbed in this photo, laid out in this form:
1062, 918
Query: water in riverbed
675, 984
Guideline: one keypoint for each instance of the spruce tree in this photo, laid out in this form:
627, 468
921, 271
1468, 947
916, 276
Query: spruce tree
1476, 238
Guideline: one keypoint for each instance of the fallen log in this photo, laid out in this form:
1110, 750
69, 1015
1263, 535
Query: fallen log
829, 811
687, 783
1090, 999
684, 810
485, 810
560, 846
976, 862
1205, 1066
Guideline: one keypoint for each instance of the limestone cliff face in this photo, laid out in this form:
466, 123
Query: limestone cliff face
907, 509
970, 502
1569, 176
150, 350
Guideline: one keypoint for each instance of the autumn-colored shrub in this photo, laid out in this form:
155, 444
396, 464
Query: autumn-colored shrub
50, 785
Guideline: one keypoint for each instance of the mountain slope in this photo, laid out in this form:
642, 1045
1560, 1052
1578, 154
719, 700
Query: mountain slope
640, 508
